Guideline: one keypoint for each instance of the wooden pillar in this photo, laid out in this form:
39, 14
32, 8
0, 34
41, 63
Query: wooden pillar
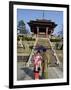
52, 30
46, 32
51, 33
37, 31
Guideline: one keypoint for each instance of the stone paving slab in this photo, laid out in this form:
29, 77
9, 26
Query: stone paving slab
24, 73
54, 72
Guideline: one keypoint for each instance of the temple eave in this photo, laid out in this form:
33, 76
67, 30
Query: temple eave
39, 26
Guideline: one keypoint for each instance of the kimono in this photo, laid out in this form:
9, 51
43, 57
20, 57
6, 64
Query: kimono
37, 59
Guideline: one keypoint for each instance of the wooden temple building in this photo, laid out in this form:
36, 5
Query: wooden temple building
42, 26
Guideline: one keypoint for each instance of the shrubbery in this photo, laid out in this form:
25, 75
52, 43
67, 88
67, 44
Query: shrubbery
31, 47
58, 46
25, 38
55, 40
29, 39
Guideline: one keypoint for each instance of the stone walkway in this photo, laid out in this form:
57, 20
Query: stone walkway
54, 72
25, 73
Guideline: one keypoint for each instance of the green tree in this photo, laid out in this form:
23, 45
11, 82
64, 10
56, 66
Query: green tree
21, 27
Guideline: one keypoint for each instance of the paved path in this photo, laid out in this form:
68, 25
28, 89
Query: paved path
54, 72
25, 73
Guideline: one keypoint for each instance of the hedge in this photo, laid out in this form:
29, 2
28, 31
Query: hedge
26, 38
55, 40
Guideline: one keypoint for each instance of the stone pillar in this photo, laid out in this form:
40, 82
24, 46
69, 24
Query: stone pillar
46, 32
37, 31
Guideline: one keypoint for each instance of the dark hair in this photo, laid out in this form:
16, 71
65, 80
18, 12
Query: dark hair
38, 51
44, 50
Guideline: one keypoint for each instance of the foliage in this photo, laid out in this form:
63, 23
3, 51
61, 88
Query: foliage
55, 40
31, 47
58, 46
61, 47
25, 38
21, 26
18, 38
